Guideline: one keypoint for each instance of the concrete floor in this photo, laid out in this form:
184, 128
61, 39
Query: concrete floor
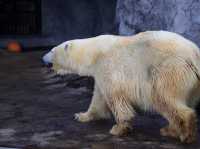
36, 112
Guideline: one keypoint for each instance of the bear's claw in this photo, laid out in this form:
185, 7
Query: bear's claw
82, 117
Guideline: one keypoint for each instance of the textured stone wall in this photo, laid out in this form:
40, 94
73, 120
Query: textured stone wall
181, 16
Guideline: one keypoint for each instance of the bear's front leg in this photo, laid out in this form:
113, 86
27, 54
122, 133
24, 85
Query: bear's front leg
123, 113
121, 129
98, 109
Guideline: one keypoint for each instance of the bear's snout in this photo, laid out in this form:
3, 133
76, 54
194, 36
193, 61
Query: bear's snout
47, 58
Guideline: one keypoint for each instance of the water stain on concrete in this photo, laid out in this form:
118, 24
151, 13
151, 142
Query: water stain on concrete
45, 138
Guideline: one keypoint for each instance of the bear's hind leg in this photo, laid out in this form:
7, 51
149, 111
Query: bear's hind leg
98, 109
173, 83
182, 121
181, 118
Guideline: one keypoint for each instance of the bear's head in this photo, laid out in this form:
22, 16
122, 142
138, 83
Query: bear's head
74, 56
60, 60
79, 55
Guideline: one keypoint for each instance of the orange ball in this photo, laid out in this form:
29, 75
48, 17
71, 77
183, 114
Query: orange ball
14, 46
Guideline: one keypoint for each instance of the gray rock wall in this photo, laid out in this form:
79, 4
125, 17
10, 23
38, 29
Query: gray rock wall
181, 16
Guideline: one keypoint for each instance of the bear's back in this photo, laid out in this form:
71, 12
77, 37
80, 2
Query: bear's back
153, 47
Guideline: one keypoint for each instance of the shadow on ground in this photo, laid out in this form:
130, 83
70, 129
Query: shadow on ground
37, 108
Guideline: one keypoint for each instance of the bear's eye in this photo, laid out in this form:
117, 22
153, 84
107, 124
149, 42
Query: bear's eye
66, 47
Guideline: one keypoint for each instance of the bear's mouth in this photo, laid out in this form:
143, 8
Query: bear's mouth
58, 69
49, 65
55, 67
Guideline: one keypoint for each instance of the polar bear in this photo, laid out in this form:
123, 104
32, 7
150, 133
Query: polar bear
153, 70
